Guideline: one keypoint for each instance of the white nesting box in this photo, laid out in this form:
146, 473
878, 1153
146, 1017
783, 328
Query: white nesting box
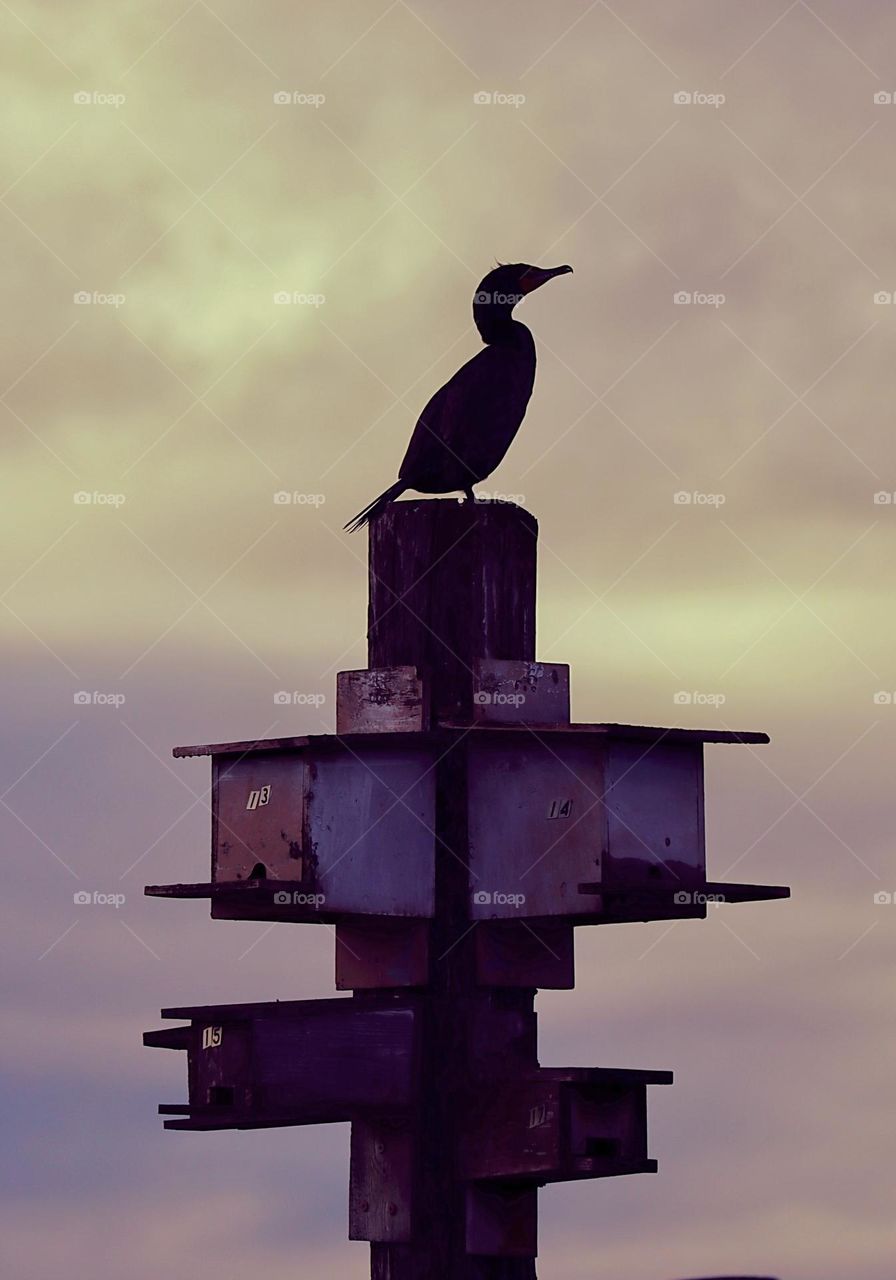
562, 819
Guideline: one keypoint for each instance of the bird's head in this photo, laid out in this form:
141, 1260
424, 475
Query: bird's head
502, 289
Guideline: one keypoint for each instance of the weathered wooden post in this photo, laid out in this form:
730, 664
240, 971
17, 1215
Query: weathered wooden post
455, 829
452, 585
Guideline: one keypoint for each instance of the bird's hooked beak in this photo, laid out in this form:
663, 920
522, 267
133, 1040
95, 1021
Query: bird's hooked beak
535, 277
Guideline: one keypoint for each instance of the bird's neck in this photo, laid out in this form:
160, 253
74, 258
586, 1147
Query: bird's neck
496, 324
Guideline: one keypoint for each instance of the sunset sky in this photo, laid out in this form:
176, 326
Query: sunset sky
714, 480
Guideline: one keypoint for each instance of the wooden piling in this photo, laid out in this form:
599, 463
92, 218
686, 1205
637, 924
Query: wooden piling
451, 583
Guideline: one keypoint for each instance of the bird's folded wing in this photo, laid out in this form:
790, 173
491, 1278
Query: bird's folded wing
473, 403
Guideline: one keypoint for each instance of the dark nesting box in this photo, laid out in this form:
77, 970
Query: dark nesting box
291, 1062
562, 1125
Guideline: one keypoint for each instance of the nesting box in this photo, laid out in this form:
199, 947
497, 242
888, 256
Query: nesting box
291, 1062
319, 828
591, 822
562, 1124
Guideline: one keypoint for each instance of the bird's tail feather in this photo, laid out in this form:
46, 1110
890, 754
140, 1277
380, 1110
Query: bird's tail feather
379, 504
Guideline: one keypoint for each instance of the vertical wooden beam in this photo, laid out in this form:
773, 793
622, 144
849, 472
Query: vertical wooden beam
450, 583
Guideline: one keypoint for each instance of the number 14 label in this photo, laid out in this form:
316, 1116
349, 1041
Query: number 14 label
560, 809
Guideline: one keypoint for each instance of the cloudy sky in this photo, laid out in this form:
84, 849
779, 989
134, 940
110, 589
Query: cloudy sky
171, 172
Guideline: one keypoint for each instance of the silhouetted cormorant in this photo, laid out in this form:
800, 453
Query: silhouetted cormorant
465, 430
